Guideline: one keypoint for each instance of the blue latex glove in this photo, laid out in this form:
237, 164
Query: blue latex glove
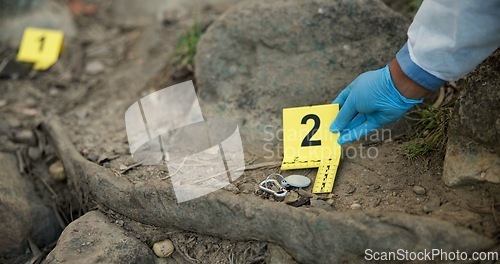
368, 103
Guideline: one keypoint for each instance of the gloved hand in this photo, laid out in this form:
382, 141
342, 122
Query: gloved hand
369, 102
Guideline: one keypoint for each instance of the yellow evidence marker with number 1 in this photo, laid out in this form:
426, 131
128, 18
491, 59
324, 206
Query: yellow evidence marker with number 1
308, 143
41, 47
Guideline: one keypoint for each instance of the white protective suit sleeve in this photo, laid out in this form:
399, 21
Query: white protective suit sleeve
448, 38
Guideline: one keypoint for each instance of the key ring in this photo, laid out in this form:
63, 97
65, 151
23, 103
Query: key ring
275, 189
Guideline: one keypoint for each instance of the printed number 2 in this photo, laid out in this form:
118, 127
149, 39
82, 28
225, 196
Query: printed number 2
307, 140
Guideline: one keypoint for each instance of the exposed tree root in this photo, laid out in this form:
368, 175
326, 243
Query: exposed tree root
309, 235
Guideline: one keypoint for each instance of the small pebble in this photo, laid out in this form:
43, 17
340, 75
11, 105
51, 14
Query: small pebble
57, 171
53, 92
291, 197
34, 153
81, 114
432, 205
356, 206
94, 67
103, 157
351, 189
164, 248
428, 209
25, 136
13, 122
232, 188
93, 157
304, 193
419, 190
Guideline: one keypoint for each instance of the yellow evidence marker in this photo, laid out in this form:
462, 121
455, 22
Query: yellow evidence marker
308, 143
41, 47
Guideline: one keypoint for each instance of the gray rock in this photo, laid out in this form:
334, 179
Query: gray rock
419, 190
262, 56
22, 215
469, 163
39, 13
477, 112
473, 152
93, 238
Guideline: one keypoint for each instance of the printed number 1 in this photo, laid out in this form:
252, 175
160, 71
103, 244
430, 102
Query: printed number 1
307, 142
42, 41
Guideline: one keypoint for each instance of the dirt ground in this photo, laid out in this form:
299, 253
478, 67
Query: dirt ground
138, 61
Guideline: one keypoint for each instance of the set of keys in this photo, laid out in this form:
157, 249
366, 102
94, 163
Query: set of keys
277, 185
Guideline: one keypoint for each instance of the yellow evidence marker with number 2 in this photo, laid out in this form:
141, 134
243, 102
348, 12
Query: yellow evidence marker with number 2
308, 143
41, 47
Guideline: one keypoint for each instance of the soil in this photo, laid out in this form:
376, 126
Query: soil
137, 61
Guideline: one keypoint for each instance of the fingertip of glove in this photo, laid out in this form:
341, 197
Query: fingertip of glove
334, 128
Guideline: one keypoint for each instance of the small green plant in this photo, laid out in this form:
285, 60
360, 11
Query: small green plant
185, 49
430, 124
